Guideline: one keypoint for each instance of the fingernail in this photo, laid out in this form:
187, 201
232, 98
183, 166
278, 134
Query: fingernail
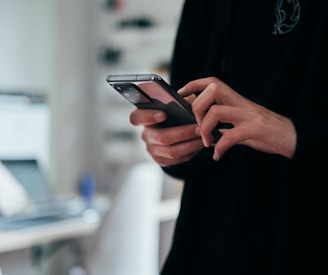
180, 90
159, 116
216, 156
206, 144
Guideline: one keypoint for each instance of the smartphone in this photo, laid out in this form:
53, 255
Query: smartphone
150, 91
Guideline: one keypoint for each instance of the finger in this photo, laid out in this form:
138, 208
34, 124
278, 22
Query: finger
229, 139
146, 117
169, 136
190, 98
204, 101
169, 162
197, 85
178, 153
215, 115
175, 151
220, 92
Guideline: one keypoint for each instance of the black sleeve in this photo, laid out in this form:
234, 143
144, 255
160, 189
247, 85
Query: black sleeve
196, 44
180, 171
193, 49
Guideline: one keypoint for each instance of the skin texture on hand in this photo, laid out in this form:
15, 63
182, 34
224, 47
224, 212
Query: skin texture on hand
254, 125
167, 146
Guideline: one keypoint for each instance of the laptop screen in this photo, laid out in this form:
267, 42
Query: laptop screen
29, 174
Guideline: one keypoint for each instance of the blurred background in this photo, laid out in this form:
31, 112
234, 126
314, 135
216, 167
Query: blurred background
59, 119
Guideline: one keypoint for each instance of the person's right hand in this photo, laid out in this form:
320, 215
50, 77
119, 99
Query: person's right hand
167, 146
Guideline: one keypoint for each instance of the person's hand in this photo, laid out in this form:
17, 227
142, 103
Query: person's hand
254, 125
167, 146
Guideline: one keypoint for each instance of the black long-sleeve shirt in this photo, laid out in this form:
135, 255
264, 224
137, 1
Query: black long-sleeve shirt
253, 212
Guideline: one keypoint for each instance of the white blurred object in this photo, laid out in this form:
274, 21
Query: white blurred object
25, 129
76, 270
13, 197
128, 242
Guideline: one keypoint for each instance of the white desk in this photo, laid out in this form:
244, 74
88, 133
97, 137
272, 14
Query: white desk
17, 245
36, 235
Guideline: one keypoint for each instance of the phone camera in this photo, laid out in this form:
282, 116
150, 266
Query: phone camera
132, 95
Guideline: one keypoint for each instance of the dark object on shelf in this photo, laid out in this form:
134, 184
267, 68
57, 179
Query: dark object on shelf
139, 22
110, 55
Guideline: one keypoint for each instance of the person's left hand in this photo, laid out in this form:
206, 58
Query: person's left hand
253, 124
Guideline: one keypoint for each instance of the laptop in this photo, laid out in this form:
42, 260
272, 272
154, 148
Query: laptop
44, 207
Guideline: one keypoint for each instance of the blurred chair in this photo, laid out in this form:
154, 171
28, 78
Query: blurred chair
128, 241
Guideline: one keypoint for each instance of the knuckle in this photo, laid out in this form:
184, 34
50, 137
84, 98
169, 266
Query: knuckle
230, 138
212, 79
150, 135
150, 150
214, 110
144, 135
132, 120
196, 108
213, 89
172, 153
163, 138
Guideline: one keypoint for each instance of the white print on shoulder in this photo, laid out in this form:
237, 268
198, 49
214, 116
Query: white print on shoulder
288, 14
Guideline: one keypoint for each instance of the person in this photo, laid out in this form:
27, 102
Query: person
255, 201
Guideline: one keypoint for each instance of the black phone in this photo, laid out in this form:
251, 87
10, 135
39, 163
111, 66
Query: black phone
150, 91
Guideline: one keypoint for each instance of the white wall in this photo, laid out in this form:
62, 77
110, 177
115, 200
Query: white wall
27, 45
73, 97
46, 47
